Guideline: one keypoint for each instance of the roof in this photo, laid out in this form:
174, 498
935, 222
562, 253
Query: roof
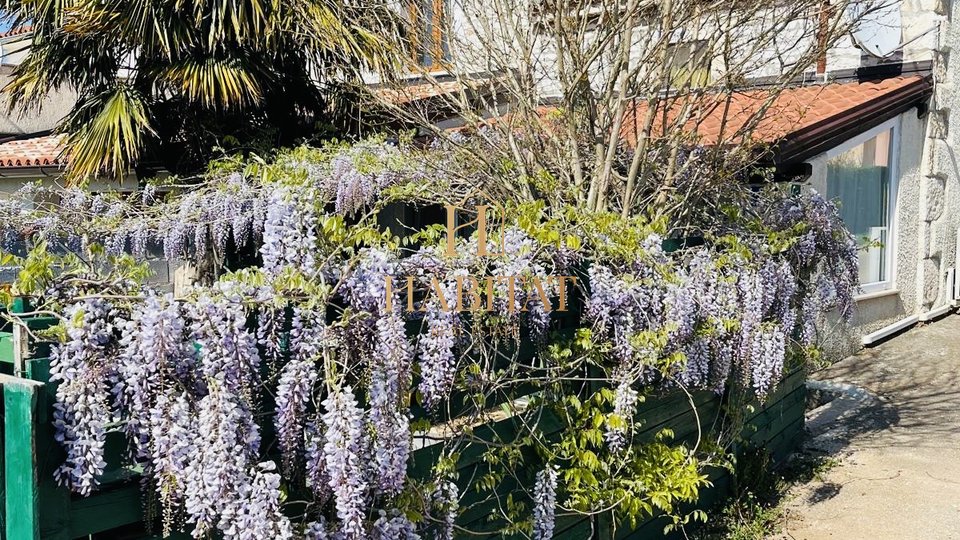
43, 151
18, 31
424, 89
416, 92
799, 121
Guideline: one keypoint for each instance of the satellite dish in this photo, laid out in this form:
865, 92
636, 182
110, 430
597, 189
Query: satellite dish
877, 25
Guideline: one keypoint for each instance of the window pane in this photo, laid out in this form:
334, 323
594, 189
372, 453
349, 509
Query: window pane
689, 64
860, 179
427, 31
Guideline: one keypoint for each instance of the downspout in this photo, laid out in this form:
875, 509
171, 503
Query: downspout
874, 337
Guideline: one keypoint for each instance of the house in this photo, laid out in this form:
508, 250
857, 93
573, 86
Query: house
874, 132
877, 132
29, 150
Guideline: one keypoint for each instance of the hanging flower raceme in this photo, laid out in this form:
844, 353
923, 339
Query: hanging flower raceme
767, 353
316, 480
156, 350
228, 351
521, 261
438, 363
624, 408
345, 455
294, 392
544, 503
359, 173
225, 440
365, 289
289, 231
270, 331
256, 512
389, 387
395, 527
173, 426
445, 500
295, 387
83, 365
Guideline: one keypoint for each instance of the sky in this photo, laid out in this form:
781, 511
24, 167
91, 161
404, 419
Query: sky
5, 21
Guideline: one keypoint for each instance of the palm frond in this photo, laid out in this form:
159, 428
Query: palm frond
239, 65
213, 83
106, 133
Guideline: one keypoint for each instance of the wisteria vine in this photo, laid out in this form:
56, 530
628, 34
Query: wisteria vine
294, 397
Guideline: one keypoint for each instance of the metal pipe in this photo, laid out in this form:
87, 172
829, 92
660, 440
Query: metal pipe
886, 331
934, 313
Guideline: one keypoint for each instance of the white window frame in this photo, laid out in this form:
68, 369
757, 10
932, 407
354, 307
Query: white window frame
890, 266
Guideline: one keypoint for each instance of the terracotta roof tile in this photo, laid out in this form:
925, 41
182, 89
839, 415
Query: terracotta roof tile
417, 92
44, 151
721, 119
16, 31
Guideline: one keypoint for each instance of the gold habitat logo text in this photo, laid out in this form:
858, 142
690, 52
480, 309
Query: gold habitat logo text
477, 293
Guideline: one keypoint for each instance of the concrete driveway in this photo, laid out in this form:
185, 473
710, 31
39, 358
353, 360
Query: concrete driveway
896, 431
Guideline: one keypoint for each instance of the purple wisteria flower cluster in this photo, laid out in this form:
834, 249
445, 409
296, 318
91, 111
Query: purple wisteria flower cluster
521, 258
189, 411
360, 172
715, 313
828, 249
623, 304
344, 450
436, 347
229, 211
289, 231
301, 382
185, 379
155, 349
545, 502
82, 411
724, 314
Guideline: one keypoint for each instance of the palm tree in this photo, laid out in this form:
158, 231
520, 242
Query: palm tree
168, 80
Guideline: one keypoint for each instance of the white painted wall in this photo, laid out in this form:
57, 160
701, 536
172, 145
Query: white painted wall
14, 49
54, 106
513, 44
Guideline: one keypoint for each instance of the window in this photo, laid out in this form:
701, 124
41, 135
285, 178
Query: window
428, 32
862, 175
689, 64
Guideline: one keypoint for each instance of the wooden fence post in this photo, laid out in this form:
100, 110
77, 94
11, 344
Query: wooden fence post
20, 457
21, 350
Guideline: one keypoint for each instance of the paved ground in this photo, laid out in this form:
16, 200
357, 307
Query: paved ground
896, 432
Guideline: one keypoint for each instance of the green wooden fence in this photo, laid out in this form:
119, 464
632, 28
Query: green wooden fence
36, 508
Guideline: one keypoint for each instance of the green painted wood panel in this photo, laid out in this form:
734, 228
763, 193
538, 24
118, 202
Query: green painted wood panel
3, 482
777, 424
106, 510
6, 347
20, 458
